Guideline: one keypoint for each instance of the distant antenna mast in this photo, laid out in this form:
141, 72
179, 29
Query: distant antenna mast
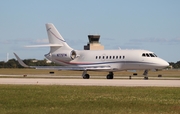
7, 58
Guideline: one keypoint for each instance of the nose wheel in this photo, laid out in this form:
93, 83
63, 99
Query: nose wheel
110, 75
145, 74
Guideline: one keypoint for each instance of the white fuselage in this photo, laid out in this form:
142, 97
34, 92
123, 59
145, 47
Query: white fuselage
95, 60
116, 59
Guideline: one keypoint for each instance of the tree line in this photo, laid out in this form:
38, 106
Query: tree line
175, 65
13, 63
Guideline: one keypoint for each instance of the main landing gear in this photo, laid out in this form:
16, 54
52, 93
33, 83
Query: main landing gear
87, 76
110, 75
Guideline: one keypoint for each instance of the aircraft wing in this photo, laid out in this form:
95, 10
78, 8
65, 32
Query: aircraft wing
70, 67
79, 68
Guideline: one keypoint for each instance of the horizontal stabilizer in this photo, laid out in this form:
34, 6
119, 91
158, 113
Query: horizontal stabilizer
46, 45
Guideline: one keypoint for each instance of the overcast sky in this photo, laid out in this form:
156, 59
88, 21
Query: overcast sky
129, 24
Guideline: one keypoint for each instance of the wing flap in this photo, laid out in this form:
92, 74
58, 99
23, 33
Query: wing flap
77, 68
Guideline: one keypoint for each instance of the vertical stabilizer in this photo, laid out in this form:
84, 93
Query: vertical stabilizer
56, 38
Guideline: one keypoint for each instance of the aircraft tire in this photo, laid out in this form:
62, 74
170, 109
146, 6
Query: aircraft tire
109, 76
86, 76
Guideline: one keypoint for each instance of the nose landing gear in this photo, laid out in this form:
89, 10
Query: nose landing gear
145, 74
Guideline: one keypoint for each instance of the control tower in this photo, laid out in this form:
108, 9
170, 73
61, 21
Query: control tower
93, 43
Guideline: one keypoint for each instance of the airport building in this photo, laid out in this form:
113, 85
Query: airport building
93, 43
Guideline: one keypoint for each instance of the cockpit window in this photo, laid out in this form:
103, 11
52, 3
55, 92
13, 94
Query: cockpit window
152, 55
149, 55
144, 55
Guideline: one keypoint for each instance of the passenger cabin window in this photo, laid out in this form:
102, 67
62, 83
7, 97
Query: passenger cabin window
122, 57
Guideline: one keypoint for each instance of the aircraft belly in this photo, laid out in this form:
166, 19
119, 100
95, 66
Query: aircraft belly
117, 66
133, 66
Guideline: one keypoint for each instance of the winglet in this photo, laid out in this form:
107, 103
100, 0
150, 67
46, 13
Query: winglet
20, 61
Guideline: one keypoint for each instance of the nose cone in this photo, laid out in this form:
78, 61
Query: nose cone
163, 63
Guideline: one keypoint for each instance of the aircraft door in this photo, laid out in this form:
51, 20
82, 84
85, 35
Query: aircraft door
122, 62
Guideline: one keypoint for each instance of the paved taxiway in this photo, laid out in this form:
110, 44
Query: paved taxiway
90, 82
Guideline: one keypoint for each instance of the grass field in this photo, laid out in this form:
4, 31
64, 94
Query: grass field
35, 99
16, 99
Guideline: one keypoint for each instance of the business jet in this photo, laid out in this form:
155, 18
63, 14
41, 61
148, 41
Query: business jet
95, 60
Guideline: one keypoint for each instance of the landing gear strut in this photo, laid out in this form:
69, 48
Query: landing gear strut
85, 75
145, 74
110, 75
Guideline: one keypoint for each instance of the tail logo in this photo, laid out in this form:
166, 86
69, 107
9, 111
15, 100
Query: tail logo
49, 29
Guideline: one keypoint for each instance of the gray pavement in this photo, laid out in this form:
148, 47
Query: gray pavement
91, 82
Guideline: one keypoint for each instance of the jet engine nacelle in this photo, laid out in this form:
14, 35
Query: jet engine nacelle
66, 55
